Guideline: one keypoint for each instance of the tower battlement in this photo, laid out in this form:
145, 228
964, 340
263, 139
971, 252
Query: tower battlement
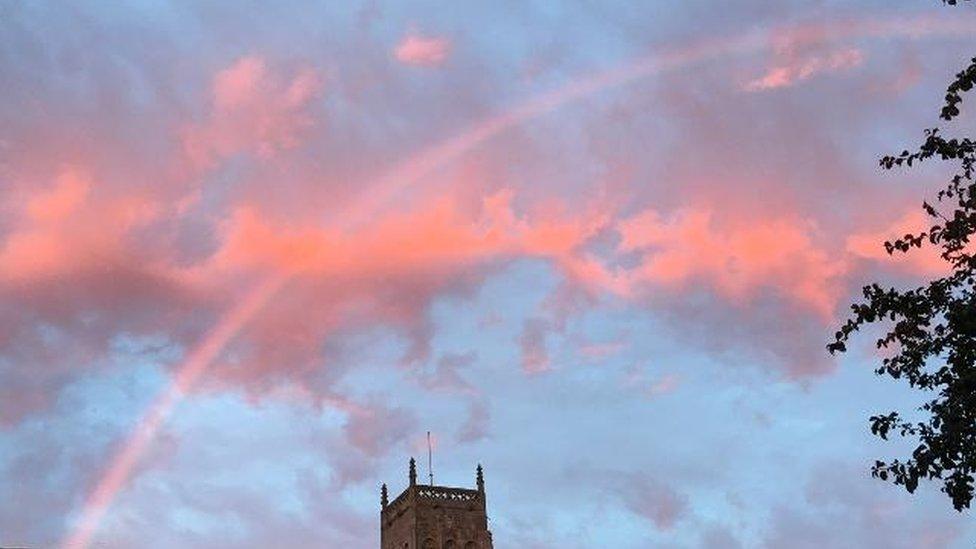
435, 517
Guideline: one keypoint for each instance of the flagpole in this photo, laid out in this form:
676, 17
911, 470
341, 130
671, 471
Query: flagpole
430, 461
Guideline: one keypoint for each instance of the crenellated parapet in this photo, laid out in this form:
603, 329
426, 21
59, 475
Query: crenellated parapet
444, 494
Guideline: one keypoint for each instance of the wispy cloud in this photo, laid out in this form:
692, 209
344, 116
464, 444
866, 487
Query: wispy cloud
422, 50
795, 71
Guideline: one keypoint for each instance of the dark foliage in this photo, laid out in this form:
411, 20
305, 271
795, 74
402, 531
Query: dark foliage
932, 328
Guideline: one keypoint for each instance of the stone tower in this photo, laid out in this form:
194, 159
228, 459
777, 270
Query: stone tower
435, 517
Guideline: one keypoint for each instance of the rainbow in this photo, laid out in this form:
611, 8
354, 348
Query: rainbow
383, 190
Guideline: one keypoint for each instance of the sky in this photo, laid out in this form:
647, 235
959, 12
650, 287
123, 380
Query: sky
250, 253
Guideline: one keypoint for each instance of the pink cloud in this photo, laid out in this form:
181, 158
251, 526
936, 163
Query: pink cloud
424, 51
68, 194
62, 228
804, 51
736, 258
85, 243
253, 109
387, 273
73, 276
926, 261
236, 85
807, 50
793, 71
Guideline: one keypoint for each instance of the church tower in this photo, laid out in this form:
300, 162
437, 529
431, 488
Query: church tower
435, 517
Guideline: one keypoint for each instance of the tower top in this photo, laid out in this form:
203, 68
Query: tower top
435, 516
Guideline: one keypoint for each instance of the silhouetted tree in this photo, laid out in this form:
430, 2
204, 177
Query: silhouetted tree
932, 328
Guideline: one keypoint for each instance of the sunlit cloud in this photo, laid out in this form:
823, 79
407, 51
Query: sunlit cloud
926, 261
253, 109
804, 68
737, 259
421, 50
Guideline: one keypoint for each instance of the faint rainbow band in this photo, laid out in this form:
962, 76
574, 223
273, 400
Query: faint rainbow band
383, 191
